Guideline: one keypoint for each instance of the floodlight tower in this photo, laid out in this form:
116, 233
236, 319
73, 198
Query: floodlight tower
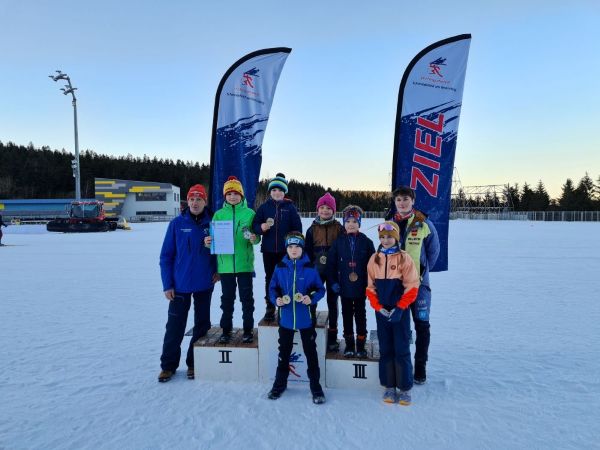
69, 89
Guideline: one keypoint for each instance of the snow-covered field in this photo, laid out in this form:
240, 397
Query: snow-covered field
514, 358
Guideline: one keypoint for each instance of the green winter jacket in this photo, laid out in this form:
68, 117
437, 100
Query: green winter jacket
243, 258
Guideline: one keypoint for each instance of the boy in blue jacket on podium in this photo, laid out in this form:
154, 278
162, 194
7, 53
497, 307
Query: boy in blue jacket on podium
295, 286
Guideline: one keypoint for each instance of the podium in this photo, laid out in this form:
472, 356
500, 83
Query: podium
257, 362
353, 373
235, 361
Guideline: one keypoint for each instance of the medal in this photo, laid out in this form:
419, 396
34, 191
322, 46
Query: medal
298, 297
353, 276
270, 221
247, 233
286, 299
323, 259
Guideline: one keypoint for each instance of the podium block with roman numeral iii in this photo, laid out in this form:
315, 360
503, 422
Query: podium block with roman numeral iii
235, 361
268, 333
353, 373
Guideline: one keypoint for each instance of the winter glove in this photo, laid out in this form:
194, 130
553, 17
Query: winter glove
396, 315
335, 287
385, 313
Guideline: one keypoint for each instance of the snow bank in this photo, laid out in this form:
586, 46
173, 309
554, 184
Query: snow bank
513, 359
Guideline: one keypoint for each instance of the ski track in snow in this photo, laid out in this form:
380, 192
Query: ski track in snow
514, 359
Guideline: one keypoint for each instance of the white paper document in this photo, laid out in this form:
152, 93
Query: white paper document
222, 237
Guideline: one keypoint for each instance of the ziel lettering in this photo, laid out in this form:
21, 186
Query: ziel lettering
429, 140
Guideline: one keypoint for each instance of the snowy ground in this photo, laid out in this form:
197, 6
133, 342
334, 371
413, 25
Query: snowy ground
514, 359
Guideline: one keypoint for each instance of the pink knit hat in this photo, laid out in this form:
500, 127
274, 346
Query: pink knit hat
327, 200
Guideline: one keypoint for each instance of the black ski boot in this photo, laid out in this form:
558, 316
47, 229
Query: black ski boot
225, 337
420, 373
190, 373
361, 352
350, 350
318, 398
248, 337
333, 346
269, 313
275, 393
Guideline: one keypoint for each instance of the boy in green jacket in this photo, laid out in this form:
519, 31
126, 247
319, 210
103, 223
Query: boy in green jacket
237, 269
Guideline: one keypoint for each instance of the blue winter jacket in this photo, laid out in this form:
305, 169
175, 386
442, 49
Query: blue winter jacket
286, 219
290, 277
342, 261
186, 265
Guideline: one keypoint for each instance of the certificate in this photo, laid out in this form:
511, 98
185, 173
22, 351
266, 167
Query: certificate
222, 237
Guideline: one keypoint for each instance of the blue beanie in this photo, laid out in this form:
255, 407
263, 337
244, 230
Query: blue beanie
294, 238
279, 182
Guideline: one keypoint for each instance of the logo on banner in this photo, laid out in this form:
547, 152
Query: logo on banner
247, 77
247, 88
435, 67
295, 358
434, 78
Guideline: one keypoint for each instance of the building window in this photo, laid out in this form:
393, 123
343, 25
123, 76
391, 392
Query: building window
151, 196
150, 213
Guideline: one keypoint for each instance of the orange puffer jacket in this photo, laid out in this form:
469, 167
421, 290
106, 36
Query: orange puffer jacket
393, 280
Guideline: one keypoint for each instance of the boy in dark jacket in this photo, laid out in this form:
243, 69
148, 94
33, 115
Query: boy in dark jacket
319, 237
296, 286
187, 269
275, 218
347, 274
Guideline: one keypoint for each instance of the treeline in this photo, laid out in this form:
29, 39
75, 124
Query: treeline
29, 172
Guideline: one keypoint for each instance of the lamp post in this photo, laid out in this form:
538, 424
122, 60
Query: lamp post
69, 89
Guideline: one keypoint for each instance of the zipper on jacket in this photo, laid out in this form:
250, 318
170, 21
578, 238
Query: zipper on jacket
276, 227
406, 232
386, 266
294, 294
234, 229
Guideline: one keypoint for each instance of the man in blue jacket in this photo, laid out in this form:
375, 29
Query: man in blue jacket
187, 269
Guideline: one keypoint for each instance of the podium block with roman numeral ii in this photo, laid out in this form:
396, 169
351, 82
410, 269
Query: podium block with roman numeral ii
235, 361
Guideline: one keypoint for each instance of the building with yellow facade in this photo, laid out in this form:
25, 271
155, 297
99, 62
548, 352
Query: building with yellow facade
137, 200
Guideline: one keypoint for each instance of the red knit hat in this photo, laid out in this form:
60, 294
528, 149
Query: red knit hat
197, 190
327, 200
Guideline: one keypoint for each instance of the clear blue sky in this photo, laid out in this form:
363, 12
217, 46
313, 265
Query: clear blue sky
147, 72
